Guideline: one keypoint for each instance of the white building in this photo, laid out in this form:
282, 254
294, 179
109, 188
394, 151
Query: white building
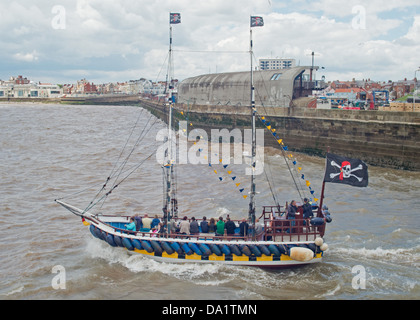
274, 64
29, 90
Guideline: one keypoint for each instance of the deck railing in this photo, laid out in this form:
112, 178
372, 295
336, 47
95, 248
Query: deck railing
276, 227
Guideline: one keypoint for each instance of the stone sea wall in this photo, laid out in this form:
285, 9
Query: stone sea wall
382, 138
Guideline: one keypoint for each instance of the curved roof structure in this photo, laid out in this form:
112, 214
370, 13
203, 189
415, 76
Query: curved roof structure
272, 88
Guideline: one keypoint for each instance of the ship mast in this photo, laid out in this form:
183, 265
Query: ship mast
170, 208
255, 22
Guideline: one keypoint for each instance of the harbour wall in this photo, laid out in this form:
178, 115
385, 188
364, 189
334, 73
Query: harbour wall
381, 138
114, 99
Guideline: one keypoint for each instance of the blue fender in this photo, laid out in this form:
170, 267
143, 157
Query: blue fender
215, 249
136, 243
186, 249
245, 250
176, 247
156, 247
165, 245
264, 250
127, 243
195, 248
274, 250
92, 230
235, 250
118, 241
282, 248
225, 249
255, 251
204, 249
146, 246
110, 240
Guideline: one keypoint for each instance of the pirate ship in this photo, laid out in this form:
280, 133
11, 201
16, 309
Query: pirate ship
281, 242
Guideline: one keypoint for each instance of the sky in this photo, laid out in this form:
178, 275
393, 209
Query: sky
62, 41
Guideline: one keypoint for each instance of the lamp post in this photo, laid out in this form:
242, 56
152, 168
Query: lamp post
415, 87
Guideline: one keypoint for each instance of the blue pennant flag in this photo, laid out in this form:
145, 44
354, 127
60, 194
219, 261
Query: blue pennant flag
241, 190
285, 148
220, 178
233, 178
225, 166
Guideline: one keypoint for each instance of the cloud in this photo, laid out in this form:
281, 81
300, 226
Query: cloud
26, 57
121, 40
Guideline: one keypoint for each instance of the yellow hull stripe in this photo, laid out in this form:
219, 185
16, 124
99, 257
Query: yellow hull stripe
214, 257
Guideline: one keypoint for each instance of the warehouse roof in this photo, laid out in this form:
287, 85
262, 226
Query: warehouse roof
272, 87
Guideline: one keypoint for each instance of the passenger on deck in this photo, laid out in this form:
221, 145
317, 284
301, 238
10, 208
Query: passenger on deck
173, 228
147, 222
194, 226
204, 225
212, 225
230, 227
155, 222
137, 221
220, 227
161, 228
291, 214
243, 228
258, 229
307, 212
131, 226
184, 226
307, 209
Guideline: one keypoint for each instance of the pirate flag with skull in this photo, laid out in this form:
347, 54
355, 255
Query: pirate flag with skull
346, 170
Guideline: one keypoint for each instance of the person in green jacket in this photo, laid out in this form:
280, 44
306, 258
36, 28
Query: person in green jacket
220, 227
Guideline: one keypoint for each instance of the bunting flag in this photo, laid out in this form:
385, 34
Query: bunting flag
222, 177
285, 148
257, 21
174, 18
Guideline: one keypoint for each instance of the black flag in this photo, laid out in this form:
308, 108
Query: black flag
257, 21
174, 18
346, 170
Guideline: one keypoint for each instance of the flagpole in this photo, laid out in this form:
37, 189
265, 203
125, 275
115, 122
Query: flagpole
319, 213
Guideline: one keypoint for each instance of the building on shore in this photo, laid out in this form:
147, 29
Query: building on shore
277, 64
20, 87
273, 88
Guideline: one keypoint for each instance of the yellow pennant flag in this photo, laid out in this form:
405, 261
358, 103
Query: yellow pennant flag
237, 184
245, 196
215, 171
280, 141
308, 183
229, 172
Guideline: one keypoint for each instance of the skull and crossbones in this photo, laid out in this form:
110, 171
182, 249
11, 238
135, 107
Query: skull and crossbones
345, 170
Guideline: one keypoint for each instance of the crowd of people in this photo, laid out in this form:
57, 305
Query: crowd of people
190, 226
227, 227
